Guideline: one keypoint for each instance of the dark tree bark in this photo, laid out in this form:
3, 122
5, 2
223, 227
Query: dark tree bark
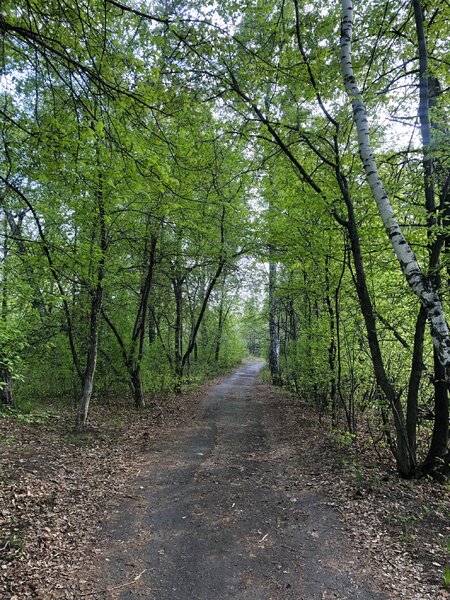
332, 345
136, 352
6, 387
405, 460
96, 306
177, 285
439, 442
201, 314
133, 355
274, 330
220, 324
6, 383
436, 461
417, 367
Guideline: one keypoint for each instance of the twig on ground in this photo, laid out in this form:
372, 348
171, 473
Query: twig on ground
116, 587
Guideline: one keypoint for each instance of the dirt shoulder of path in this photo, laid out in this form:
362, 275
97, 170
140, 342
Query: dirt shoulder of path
401, 527
57, 489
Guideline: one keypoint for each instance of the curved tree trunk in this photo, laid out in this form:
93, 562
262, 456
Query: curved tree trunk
405, 460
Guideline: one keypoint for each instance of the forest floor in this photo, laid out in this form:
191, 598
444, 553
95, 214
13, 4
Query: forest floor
236, 491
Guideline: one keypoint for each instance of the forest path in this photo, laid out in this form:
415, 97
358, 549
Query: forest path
225, 510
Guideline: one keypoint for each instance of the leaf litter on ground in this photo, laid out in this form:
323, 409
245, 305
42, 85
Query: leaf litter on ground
57, 488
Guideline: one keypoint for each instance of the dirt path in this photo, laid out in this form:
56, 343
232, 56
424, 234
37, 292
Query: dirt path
222, 512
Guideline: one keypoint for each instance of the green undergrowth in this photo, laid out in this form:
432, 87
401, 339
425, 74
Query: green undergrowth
109, 413
28, 415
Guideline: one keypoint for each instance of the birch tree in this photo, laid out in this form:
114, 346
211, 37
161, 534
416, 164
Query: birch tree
418, 282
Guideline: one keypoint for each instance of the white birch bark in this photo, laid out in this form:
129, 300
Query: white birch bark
420, 284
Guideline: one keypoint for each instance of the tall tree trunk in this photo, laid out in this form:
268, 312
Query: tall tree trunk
133, 355
219, 324
177, 285
211, 285
437, 457
417, 367
136, 352
274, 330
439, 442
332, 345
422, 286
88, 384
201, 314
405, 461
96, 306
6, 383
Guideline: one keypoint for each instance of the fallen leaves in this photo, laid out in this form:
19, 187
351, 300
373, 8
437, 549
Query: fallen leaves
399, 527
56, 489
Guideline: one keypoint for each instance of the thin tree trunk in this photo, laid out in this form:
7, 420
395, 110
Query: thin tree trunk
337, 312
133, 355
274, 332
209, 289
405, 462
219, 325
96, 306
177, 285
198, 322
6, 383
136, 352
332, 344
88, 385
417, 367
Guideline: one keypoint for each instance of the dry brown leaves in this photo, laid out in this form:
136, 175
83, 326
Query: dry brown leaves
56, 488
403, 527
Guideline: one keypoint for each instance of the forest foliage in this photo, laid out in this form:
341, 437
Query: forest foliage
184, 184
